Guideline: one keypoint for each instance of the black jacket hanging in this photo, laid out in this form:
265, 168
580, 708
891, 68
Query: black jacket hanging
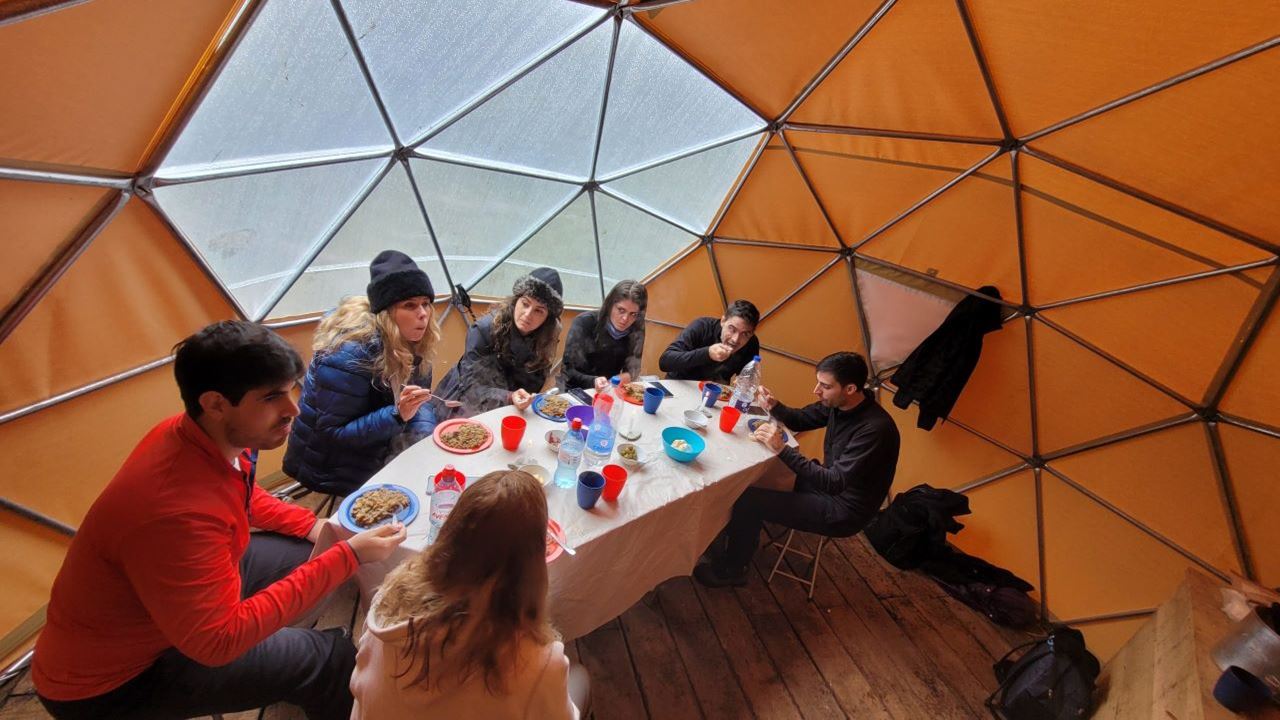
938, 369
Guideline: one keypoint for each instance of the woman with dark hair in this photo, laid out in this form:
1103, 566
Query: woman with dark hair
364, 393
606, 342
510, 351
461, 630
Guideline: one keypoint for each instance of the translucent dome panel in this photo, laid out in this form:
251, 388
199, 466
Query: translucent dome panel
255, 231
634, 243
660, 107
430, 59
292, 89
567, 243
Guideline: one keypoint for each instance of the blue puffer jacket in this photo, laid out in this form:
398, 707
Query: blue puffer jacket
346, 423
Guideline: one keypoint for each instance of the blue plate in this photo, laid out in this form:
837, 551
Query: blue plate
754, 423
537, 409
405, 515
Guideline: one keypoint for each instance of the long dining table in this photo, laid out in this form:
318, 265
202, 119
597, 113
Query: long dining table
665, 517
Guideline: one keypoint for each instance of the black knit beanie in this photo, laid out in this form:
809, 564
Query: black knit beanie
394, 276
543, 285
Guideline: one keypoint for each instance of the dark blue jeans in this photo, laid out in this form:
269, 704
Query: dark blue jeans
800, 509
309, 668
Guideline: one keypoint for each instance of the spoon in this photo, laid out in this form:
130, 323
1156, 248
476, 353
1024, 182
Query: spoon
567, 549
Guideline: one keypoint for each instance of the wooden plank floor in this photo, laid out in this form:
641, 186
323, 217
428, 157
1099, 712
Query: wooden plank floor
875, 642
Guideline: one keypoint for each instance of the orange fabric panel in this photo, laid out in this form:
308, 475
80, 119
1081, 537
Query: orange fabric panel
742, 271
789, 42
1082, 237
1081, 396
947, 456
1255, 390
1096, 562
34, 555
1056, 60
791, 381
997, 398
829, 298
1252, 459
889, 175
37, 220
656, 339
967, 235
123, 303
775, 205
113, 70
56, 461
915, 71
1002, 528
1166, 481
685, 291
1104, 639
1177, 334
1168, 143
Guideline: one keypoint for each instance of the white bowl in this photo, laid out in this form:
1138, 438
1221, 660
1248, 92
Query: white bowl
695, 419
641, 457
539, 473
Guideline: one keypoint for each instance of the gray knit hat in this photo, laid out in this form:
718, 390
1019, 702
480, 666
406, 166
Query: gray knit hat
544, 286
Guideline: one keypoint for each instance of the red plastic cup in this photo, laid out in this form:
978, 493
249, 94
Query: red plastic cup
729, 418
512, 431
615, 476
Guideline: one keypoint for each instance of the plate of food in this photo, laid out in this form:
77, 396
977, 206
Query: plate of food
463, 436
554, 549
375, 505
754, 423
551, 407
632, 392
726, 390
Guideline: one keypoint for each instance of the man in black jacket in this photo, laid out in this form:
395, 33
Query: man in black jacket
836, 497
715, 350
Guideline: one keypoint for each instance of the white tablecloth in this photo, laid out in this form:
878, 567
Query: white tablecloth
666, 516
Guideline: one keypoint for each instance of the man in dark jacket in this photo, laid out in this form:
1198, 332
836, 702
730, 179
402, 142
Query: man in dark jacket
715, 350
836, 497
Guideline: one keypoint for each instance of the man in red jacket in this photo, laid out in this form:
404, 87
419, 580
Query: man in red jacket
166, 606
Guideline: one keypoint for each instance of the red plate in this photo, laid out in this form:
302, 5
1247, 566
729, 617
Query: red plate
622, 394
449, 425
553, 549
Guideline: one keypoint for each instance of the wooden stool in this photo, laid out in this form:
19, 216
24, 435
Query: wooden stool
816, 558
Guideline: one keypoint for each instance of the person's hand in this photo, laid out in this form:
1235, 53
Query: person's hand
720, 352
411, 398
770, 435
602, 384
521, 399
766, 399
377, 544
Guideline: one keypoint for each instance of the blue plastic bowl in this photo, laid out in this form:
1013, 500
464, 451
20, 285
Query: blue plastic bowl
671, 434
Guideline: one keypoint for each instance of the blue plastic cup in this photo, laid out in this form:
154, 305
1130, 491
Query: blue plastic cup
710, 394
590, 485
652, 399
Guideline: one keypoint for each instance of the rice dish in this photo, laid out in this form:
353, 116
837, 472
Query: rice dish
468, 436
377, 505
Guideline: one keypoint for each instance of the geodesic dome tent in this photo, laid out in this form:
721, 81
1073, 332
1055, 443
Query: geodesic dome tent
854, 167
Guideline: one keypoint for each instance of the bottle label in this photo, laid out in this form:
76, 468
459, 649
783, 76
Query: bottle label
442, 503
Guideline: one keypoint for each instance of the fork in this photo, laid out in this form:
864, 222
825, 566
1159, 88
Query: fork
567, 549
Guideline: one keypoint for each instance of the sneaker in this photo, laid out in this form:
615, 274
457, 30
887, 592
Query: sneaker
713, 576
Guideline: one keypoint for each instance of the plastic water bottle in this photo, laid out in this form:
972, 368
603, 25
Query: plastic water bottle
744, 391
444, 495
570, 456
603, 429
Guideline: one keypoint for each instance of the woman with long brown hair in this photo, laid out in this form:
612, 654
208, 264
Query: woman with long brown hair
461, 630
606, 342
510, 351
365, 391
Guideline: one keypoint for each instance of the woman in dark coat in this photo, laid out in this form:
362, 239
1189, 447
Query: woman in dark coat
510, 351
597, 350
365, 393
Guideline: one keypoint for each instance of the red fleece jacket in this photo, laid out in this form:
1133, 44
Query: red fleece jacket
155, 564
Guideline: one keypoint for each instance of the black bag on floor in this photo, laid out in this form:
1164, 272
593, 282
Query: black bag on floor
1053, 679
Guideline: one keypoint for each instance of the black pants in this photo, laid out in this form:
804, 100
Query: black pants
800, 509
309, 668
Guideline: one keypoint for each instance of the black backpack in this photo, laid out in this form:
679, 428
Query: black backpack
1053, 679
